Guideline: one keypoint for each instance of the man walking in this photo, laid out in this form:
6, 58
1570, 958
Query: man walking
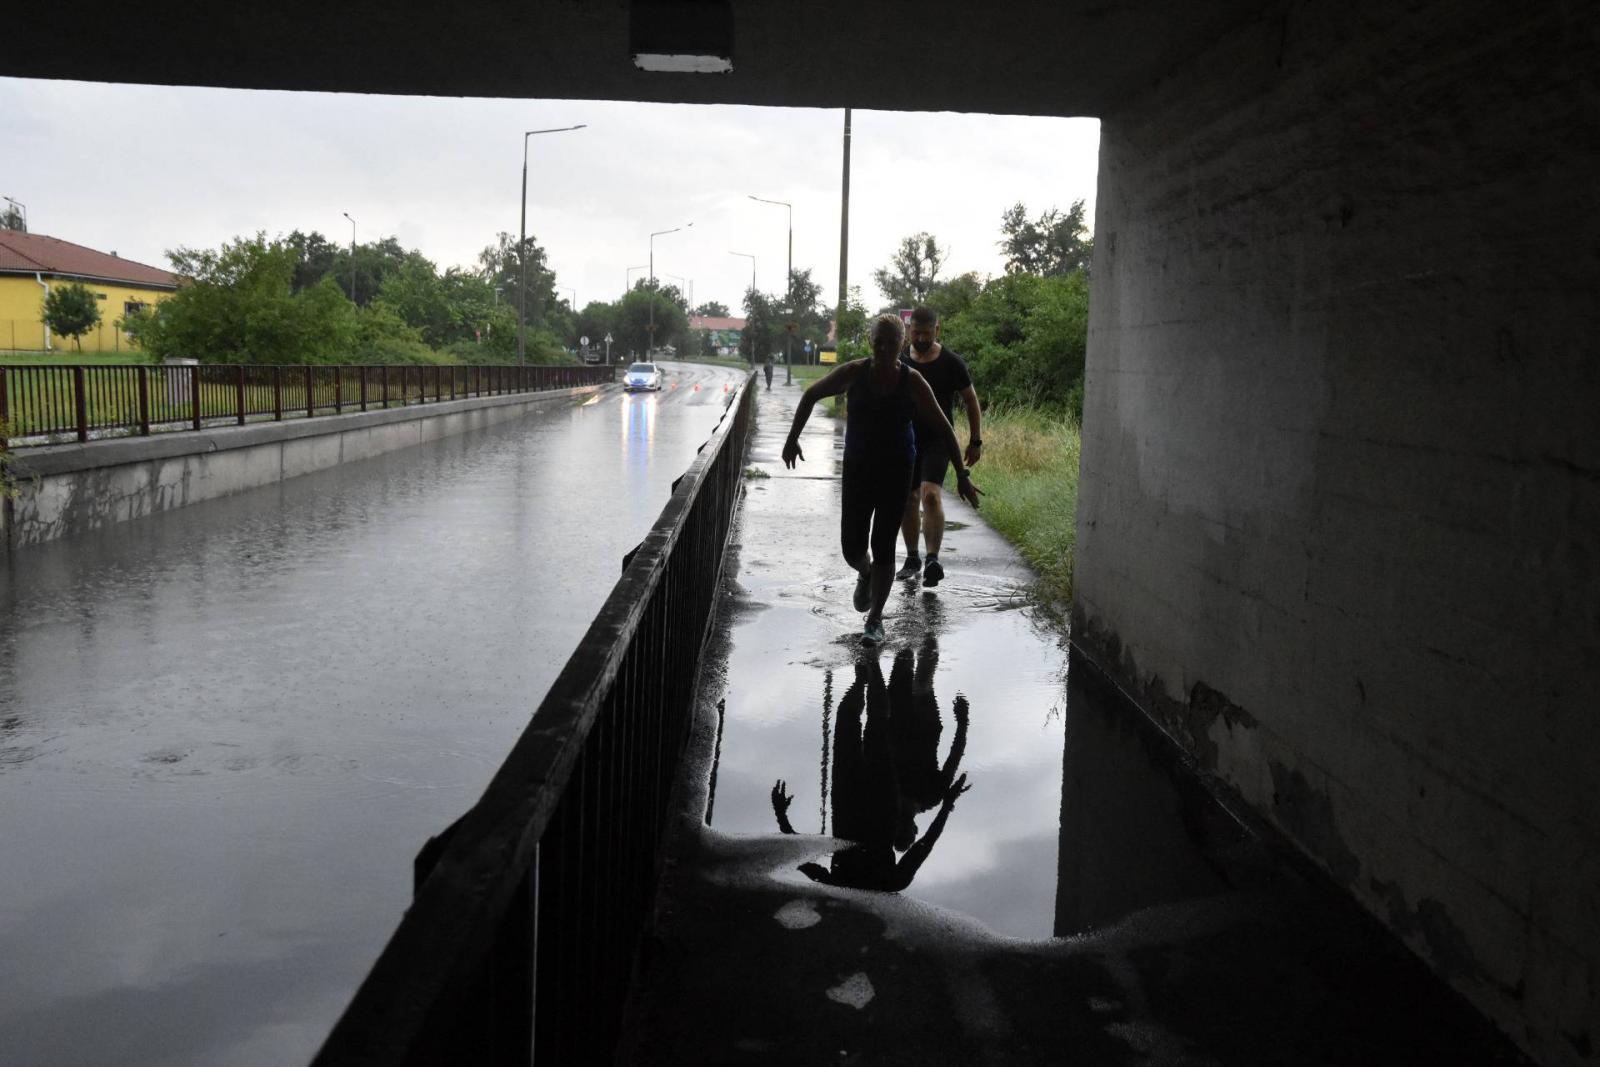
947, 374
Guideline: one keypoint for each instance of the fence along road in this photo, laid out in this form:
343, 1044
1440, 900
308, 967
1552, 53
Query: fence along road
44, 403
226, 731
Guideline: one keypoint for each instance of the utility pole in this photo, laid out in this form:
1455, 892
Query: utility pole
844, 236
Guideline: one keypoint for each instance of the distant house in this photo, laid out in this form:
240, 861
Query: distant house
725, 332
32, 264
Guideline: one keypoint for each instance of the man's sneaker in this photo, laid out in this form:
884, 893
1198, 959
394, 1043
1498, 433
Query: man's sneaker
912, 565
933, 573
872, 635
863, 594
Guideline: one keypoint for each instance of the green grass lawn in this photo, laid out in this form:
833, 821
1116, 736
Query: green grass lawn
1029, 478
67, 357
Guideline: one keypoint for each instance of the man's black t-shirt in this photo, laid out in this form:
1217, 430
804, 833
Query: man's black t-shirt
947, 375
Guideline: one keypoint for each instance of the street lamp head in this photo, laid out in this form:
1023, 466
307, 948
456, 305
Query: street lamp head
558, 129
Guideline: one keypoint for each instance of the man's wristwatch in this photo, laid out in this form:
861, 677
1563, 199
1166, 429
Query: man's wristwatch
975, 443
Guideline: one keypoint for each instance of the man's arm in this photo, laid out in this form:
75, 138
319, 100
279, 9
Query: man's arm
931, 415
969, 400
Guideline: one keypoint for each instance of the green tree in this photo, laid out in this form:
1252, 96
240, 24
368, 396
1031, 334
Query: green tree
761, 326
315, 258
712, 309
911, 274
71, 311
1024, 339
238, 306
850, 332
631, 332
956, 295
501, 267
1054, 243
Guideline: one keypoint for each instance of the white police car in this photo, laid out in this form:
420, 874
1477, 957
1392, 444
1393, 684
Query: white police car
642, 376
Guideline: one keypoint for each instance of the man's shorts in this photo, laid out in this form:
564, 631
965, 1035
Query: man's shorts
932, 463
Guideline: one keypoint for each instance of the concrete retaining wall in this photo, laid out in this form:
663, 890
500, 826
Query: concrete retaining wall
72, 489
1339, 521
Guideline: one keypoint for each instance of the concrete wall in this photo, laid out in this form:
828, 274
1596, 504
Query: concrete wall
1339, 522
72, 489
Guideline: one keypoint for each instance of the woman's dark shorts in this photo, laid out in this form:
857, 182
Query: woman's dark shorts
874, 502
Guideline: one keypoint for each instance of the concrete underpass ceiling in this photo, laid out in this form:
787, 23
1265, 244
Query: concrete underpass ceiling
1011, 56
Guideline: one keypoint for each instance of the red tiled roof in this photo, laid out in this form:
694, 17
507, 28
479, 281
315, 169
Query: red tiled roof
713, 322
29, 252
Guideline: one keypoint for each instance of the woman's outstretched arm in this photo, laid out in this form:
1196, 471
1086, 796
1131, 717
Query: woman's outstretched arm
833, 383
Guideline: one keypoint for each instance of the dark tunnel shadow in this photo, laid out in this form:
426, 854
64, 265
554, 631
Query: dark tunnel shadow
884, 765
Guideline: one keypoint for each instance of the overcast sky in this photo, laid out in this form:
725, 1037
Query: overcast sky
141, 169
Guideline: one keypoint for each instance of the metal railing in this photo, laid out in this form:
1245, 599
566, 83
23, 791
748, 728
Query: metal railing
42, 403
520, 940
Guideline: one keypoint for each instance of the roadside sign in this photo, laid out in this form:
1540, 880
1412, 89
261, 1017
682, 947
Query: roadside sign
608, 338
584, 341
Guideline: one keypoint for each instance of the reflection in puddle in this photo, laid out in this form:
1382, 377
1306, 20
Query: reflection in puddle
886, 772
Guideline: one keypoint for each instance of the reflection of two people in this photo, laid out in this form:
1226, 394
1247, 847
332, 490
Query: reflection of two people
886, 773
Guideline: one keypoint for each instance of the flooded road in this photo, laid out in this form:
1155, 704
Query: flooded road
226, 730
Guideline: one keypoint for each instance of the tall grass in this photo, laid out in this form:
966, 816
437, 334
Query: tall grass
1029, 478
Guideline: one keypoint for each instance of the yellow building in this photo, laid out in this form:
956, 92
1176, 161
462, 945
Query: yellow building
32, 264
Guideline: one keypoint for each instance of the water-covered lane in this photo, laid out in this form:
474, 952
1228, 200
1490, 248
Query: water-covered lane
226, 730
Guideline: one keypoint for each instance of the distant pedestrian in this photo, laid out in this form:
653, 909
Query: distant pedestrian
766, 368
884, 399
946, 373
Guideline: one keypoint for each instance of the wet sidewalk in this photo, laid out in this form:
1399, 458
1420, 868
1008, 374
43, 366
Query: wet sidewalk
832, 895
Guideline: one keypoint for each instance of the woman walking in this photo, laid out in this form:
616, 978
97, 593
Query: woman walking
883, 396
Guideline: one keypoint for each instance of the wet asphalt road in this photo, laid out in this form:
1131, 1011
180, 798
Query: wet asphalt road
226, 730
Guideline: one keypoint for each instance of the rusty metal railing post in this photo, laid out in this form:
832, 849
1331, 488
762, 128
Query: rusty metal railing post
80, 402
144, 402
385, 369
194, 393
277, 394
5, 405
238, 396
311, 394
364, 387
338, 390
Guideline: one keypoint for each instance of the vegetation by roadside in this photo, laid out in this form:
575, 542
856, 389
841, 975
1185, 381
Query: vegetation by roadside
1029, 478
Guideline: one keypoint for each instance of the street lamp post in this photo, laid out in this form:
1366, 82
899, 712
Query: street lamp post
522, 242
752, 260
627, 277
788, 340
652, 264
346, 214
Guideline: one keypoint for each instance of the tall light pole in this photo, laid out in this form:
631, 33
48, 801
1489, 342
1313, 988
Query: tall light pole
658, 233
346, 214
573, 303
788, 340
752, 260
627, 277
522, 242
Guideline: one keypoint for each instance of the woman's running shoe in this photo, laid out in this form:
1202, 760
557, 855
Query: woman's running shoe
872, 635
863, 594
